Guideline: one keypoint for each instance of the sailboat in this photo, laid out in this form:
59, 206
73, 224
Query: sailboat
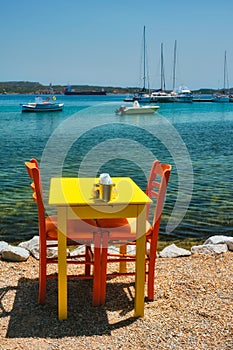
183, 94
162, 95
143, 96
222, 96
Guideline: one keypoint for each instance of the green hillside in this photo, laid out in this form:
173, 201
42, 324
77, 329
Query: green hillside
26, 87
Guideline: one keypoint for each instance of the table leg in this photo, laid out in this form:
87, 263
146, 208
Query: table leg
140, 262
123, 267
62, 268
104, 257
97, 270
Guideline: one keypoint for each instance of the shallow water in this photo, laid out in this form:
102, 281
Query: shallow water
87, 138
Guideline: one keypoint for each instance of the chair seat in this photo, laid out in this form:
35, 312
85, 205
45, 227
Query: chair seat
78, 230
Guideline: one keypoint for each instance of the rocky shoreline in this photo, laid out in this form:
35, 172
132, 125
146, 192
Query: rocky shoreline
21, 252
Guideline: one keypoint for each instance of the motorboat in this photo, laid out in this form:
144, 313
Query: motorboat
129, 98
41, 105
163, 96
137, 109
184, 95
142, 96
221, 98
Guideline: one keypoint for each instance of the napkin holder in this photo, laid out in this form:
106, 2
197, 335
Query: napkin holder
105, 192
104, 189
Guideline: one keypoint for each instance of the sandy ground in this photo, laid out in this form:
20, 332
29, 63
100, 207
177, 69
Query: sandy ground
193, 309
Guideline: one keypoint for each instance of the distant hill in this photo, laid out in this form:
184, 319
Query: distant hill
26, 87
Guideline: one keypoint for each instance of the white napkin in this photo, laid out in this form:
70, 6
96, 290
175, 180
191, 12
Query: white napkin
105, 179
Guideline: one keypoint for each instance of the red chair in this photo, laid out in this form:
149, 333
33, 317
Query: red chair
123, 232
78, 232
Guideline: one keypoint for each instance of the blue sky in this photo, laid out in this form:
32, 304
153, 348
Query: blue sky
99, 42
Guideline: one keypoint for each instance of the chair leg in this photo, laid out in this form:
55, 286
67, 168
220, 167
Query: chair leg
88, 261
151, 283
42, 280
104, 257
151, 276
97, 270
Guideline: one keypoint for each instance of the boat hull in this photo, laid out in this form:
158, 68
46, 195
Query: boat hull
86, 93
42, 107
221, 98
184, 98
163, 99
137, 110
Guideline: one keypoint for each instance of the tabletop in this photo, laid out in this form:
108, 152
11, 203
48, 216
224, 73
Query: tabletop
79, 191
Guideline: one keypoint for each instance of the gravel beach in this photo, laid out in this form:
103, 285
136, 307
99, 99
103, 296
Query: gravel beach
193, 309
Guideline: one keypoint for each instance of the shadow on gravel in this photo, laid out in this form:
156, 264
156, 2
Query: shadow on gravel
29, 319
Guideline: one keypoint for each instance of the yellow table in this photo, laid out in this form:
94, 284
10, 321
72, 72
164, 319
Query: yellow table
73, 198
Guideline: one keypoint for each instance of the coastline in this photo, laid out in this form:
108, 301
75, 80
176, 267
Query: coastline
29, 87
192, 309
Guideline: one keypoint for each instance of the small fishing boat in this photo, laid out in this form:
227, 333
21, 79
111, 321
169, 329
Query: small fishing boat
42, 106
137, 109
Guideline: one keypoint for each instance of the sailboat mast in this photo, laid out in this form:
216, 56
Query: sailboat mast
162, 70
174, 69
144, 58
224, 73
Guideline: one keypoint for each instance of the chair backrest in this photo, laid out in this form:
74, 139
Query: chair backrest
156, 190
34, 173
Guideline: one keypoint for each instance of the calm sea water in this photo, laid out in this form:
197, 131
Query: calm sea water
88, 138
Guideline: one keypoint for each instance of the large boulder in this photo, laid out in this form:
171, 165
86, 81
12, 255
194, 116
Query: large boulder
33, 242
11, 253
172, 251
220, 239
3, 246
32, 246
209, 249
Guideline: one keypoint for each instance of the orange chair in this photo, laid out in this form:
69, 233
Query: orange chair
78, 231
123, 232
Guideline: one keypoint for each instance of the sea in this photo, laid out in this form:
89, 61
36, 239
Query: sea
88, 138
